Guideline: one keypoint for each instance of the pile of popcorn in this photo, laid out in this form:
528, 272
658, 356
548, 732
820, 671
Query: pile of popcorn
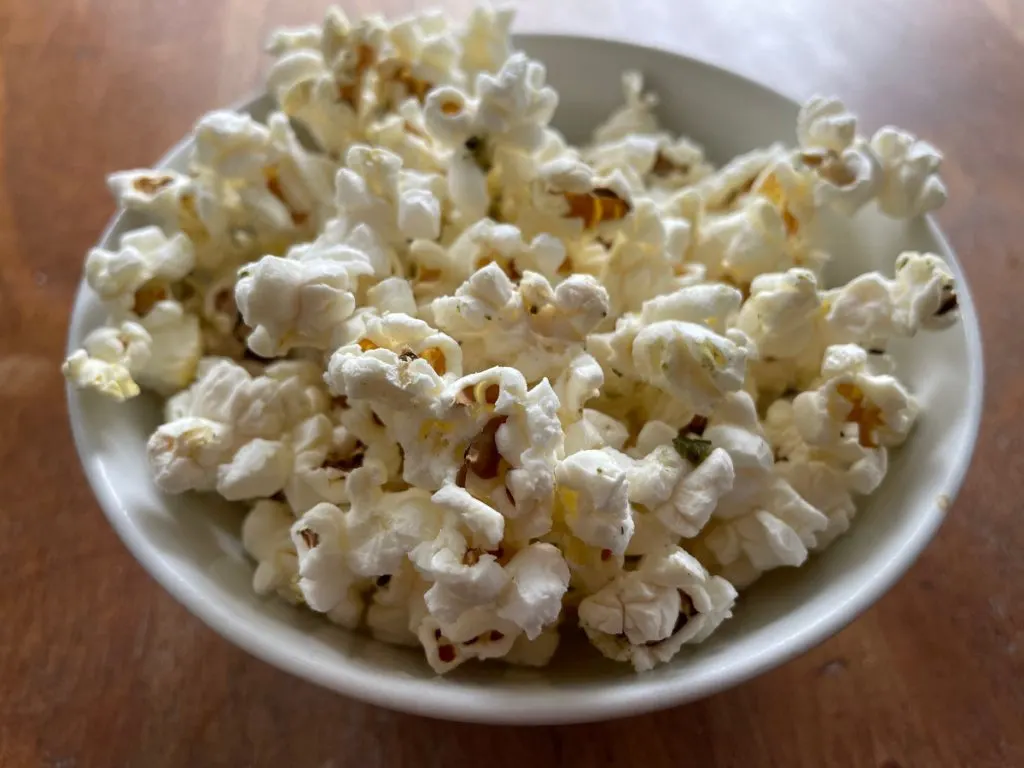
475, 385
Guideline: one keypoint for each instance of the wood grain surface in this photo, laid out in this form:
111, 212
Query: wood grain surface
99, 667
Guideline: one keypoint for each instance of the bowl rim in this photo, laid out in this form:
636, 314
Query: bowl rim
428, 696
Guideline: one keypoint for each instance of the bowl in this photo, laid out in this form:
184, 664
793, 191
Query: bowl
191, 544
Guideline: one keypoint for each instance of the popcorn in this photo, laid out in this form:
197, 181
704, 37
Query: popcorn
567, 198
687, 361
506, 116
635, 117
880, 409
681, 494
321, 77
280, 187
486, 43
645, 258
726, 186
594, 430
776, 528
532, 327
207, 444
397, 205
290, 302
142, 272
326, 584
594, 494
266, 538
910, 183
388, 616
645, 616
175, 348
106, 361
632, 142
740, 245
478, 386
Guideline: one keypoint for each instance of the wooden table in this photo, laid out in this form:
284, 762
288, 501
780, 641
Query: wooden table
99, 667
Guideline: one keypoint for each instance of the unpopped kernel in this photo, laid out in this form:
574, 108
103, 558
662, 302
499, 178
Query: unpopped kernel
477, 387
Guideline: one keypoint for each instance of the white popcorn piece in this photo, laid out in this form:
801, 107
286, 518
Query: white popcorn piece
879, 407
645, 259
458, 563
291, 302
384, 527
107, 359
323, 77
220, 413
392, 294
540, 578
924, 294
594, 494
636, 116
388, 616
266, 536
681, 495
325, 581
594, 430
825, 123
646, 616
533, 327
141, 272
631, 141
506, 116
722, 189
193, 205
258, 469
911, 185
486, 41
690, 362
184, 454
281, 188
176, 345
568, 198
744, 243
397, 205
422, 54
580, 382
403, 133
776, 528
533, 653
485, 242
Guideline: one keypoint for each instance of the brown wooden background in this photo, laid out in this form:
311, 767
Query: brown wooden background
98, 667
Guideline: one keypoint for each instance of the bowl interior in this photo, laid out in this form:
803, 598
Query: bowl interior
190, 544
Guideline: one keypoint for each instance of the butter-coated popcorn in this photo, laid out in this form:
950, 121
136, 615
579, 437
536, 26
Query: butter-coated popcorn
478, 386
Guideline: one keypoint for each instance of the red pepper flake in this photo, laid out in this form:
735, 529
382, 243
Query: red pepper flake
446, 653
606, 554
496, 635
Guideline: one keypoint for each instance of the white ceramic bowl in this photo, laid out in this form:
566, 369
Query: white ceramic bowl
191, 544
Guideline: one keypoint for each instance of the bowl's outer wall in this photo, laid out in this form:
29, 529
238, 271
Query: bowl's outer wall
190, 544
